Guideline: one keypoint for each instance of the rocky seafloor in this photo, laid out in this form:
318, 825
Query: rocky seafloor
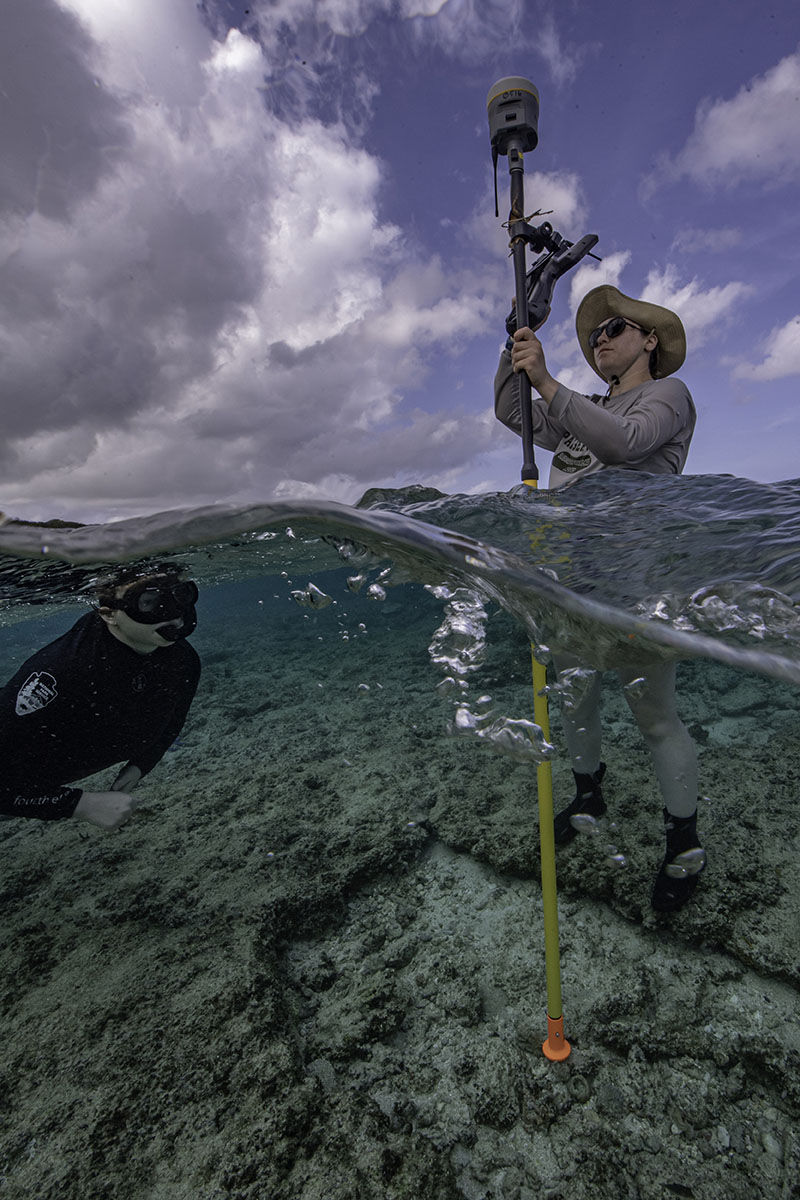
311, 967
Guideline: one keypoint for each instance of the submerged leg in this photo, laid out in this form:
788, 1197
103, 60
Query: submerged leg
650, 694
580, 713
580, 719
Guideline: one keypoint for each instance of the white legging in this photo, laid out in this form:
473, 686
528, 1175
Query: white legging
652, 703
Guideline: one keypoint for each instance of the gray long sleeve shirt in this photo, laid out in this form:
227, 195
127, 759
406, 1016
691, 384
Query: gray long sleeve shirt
647, 428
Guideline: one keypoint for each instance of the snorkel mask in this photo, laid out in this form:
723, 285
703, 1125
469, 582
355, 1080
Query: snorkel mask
162, 598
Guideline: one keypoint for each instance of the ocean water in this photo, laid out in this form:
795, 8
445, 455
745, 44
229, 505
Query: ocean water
311, 966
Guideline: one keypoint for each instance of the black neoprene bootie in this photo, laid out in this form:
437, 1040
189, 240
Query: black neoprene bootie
684, 860
588, 799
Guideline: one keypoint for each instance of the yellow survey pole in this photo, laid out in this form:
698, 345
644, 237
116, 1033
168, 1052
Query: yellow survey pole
555, 1046
513, 105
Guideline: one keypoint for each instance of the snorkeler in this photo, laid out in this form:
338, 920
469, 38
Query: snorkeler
116, 688
644, 422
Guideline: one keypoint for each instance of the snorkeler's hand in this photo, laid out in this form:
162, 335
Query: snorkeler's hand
106, 810
127, 779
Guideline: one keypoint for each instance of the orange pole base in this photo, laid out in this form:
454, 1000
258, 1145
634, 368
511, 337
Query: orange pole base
556, 1048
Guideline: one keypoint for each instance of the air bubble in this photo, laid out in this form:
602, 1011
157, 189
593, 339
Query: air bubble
690, 862
311, 597
573, 686
585, 823
359, 556
459, 644
440, 591
520, 740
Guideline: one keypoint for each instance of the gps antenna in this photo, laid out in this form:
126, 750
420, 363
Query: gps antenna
513, 105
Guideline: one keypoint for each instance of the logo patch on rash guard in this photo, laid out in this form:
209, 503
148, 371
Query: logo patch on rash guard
570, 464
572, 456
38, 690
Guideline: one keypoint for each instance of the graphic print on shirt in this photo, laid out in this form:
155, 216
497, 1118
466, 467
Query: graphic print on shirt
571, 456
38, 690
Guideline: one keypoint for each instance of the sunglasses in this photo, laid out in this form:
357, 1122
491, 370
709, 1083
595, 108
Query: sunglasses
612, 329
150, 603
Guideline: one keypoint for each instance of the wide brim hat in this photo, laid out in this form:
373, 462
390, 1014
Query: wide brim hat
606, 301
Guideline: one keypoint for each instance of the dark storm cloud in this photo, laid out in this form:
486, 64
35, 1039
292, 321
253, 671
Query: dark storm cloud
59, 128
211, 306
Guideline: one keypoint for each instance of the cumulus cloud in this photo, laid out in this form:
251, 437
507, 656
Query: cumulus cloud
306, 41
699, 308
781, 355
591, 274
753, 135
201, 298
559, 194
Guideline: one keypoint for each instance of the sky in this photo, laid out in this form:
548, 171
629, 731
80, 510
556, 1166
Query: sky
249, 251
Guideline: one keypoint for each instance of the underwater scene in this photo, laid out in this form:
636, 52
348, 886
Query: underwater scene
311, 966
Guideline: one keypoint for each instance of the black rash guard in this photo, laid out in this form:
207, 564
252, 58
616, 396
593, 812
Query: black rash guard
81, 704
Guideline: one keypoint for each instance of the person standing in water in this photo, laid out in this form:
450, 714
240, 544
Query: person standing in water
644, 422
116, 688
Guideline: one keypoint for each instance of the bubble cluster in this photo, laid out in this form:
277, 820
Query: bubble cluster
572, 687
588, 825
458, 648
459, 644
311, 597
518, 739
690, 862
